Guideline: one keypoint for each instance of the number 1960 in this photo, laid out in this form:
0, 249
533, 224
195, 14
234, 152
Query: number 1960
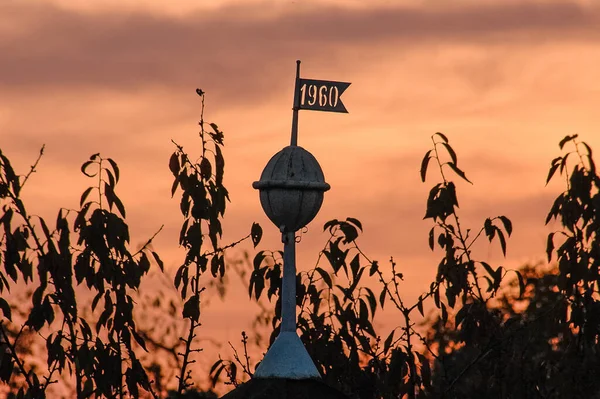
324, 96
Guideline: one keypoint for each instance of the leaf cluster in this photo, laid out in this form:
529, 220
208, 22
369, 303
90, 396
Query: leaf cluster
87, 248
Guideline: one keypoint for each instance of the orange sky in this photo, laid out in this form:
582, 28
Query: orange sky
504, 80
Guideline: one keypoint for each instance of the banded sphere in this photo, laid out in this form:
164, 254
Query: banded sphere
291, 188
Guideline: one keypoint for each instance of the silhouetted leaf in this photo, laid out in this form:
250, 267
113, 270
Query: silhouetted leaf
174, 164
110, 195
556, 207
325, 276
5, 308
259, 282
490, 232
144, 263
80, 219
368, 327
139, 339
521, 283
6, 372
258, 258
424, 164
497, 276
158, 261
330, 224
215, 371
256, 233
382, 297
131, 382
507, 224
8, 169
487, 268
550, 246
120, 206
191, 308
563, 162
431, 237
349, 231
233, 371
174, 186
217, 136
363, 310
554, 166
565, 140
355, 222
388, 342
444, 312
450, 152
45, 229
115, 168
84, 169
372, 300
374, 268
85, 195
205, 168
219, 166
458, 171
355, 265
502, 240
86, 331
442, 136
96, 299
215, 265
587, 148
451, 194
111, 178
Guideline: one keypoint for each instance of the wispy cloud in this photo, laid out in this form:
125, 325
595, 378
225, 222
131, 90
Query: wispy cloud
44, 46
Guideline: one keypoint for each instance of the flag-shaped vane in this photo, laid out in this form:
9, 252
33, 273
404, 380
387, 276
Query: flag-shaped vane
321, 95
316, 95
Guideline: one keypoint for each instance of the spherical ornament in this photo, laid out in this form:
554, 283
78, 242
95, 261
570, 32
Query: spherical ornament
291, 188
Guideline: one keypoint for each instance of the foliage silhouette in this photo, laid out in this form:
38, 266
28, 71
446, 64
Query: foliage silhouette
488, 331
531, 337
337, 304
99, 359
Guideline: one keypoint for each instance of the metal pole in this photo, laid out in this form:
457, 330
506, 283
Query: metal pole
288, 285
296, 107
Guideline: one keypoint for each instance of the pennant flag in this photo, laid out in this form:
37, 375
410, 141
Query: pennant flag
321, 95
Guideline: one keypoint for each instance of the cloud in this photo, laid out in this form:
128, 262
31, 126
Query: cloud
241, 49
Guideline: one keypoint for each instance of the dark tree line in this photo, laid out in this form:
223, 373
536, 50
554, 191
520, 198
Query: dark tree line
479, 330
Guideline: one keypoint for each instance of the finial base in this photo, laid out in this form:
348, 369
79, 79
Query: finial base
287, 358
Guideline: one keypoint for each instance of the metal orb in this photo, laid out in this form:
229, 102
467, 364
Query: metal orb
291, 188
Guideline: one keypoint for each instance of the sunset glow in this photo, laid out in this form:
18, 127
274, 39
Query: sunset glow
504, 80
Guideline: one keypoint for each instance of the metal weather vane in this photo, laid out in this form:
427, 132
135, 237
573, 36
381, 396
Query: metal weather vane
291, 190
316, 95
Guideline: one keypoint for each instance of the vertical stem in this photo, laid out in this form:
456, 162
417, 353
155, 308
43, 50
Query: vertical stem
120, 391
296, 107
74, 350
183, 385
411, 359
288, 285
100, 183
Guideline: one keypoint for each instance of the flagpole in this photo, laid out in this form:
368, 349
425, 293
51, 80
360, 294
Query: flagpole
296, 107
288, 284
